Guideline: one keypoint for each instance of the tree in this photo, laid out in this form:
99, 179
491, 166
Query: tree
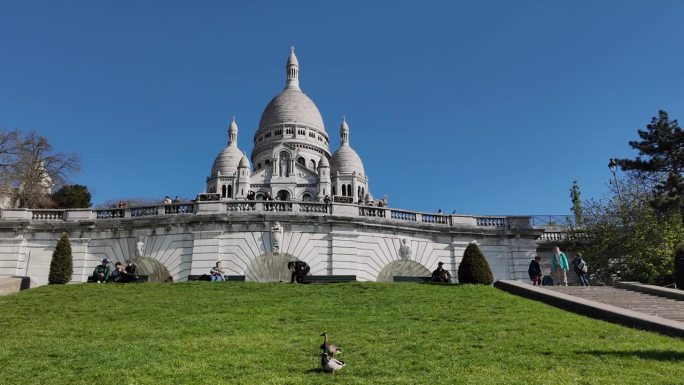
73, 196
474, 267
576, 203
625, 239
30, 168
61, 266
679, 267
661, 160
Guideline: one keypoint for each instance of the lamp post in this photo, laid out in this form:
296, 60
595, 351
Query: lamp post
612, 165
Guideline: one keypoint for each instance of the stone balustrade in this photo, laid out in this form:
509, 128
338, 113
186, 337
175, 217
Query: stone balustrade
271, 208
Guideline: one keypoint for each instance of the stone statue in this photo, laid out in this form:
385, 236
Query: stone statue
140, 248
276, 237
404, 249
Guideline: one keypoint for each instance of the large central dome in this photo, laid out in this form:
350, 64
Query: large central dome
291, 106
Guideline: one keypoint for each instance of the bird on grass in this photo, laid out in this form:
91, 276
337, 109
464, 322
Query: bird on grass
329, 348
331, 364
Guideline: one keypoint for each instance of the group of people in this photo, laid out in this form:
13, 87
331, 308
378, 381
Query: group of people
559, 269
167, 200
104, 273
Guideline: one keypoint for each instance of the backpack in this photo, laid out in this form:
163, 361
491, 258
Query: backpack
582, 266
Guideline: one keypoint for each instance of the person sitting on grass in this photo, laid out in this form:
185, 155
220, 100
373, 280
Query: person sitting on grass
441, 274
130, 273
299, 270
117, 273
217, 273
102, 271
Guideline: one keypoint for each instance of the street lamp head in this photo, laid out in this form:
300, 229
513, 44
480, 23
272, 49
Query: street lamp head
612, 165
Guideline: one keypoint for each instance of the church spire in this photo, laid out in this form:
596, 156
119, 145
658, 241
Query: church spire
344, 132
232, 133
292, 70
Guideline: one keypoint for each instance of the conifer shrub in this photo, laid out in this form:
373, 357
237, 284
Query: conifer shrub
474, 267
679, 267
61, 266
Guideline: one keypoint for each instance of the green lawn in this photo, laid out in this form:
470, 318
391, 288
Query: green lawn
250, 333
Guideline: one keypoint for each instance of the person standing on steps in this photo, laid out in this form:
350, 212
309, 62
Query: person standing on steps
580, 267
559, 266
535, 271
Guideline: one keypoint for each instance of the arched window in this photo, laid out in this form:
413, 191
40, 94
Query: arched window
230, 191
344, 190
260, 197
283, 195
267, 162
223, 191
334, 191
306, 197
358, 191
258, 166
313, 164
350, 192
301, 161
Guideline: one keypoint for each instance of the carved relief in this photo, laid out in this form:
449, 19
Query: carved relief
405, 249
276, 237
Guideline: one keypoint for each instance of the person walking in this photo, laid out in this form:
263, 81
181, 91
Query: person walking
581, 269
535, 271
559, 266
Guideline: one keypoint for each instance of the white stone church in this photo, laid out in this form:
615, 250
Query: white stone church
290, 200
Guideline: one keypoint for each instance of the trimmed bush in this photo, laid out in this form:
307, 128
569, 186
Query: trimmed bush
679, 267
474, 267
61, 266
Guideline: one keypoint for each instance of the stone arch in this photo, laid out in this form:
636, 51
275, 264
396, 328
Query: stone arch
283, 195
402, 267
269, 267
153, 269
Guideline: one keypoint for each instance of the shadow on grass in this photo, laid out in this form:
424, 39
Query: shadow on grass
315, 370
657, 355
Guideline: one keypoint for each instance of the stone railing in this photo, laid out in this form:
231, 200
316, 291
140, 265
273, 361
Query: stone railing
48, 215
492, 221
552, 220
404, 215
313, 207
274, 208
370, 211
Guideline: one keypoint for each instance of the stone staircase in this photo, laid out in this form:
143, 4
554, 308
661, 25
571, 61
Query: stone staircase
627, 299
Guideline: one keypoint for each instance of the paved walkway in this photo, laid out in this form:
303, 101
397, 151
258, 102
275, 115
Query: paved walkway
621, 306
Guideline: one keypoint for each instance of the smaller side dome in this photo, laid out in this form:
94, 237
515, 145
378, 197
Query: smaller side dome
227, 161
323, 162
244, 162
345, 160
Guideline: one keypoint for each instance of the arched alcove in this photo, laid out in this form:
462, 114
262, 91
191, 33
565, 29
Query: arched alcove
404, 268
153, 269
269, 268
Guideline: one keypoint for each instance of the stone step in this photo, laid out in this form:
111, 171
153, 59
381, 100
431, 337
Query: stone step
627, 299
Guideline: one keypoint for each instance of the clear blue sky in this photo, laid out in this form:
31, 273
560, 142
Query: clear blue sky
486, 107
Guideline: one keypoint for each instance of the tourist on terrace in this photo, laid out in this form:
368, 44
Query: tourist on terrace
102, 271
130, 273
217, 273
299, 270
441, 274
559, 266
535, 271
167, 200
580, 267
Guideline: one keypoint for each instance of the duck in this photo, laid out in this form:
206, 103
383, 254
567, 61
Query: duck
329, 348
331, 364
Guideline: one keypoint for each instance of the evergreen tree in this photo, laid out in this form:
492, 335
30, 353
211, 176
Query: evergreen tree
661, 159
576, 203
474, 267
679, 267
61, 266
73, 196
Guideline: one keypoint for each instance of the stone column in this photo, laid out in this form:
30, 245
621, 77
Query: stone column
79, 251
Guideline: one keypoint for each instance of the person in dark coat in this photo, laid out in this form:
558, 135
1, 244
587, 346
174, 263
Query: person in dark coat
130, 273
535, 271
441, 274
580, 267
299, 270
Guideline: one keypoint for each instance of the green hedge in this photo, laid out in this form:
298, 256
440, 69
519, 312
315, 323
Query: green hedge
474, 267
61, 266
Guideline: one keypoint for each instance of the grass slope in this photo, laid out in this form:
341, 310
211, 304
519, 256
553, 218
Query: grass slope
249, 333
